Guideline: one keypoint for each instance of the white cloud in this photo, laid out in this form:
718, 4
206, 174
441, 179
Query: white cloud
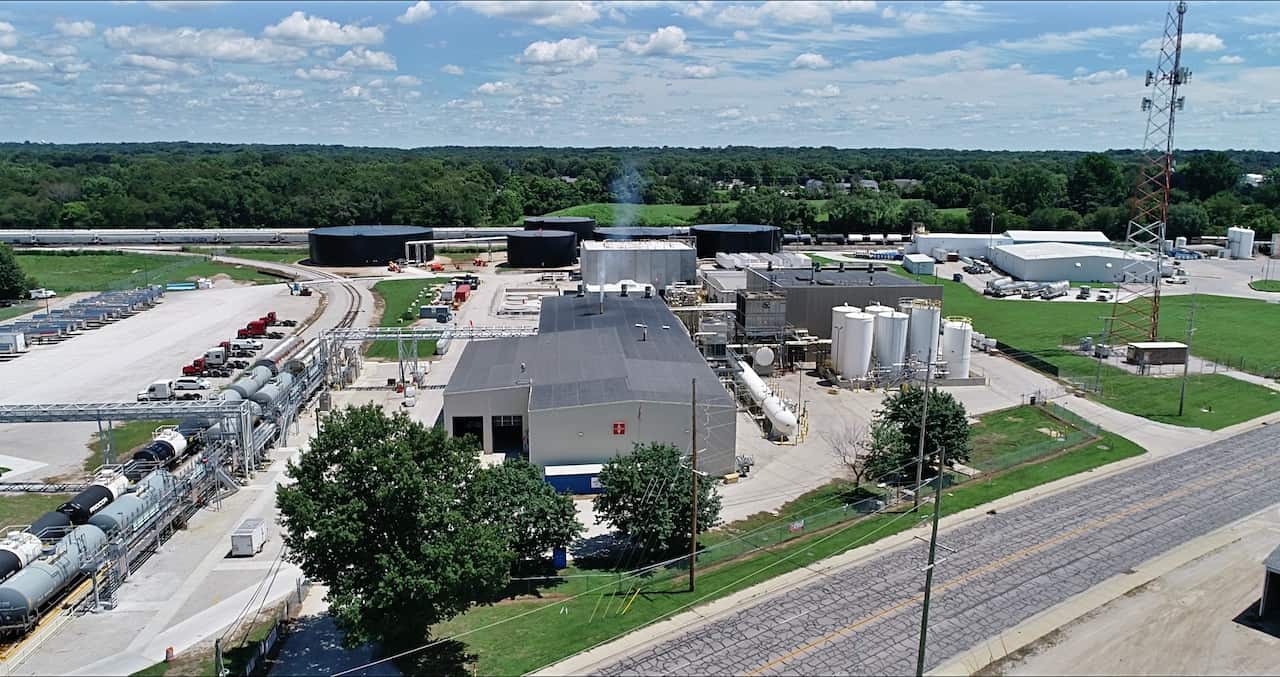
452, 69
730, 113
220, 44
74, 29
361, 58
19, 90
8, 35
786, 13
464, 104
155, 63
827, 92
355, 92
9, 62
543, 101
549, 13
699, 72
59, 50
320, 74
314, 30
1191, 42
924, 64
174, 5
741, 35
1229, 59
566, 52
492, 88
811, 61
287, 94
420, 11
1101, 76
1057, 43
138, 91
667, 40
405, 81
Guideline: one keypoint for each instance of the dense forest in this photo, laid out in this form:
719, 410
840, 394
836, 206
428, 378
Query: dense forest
163, 185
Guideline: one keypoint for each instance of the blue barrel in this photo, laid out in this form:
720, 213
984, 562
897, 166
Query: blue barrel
559, 558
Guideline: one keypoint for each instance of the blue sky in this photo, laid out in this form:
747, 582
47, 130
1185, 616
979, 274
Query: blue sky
995, 75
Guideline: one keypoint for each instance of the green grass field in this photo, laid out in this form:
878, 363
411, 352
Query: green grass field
125, 439
1214, 401
562, 624
20, 309
399, 297
608, 214
25, 508
1005, 438
269, 254
1265, 285
97, 271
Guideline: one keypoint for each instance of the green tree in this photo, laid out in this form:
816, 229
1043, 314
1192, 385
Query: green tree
1186, 220
513, 497
646, 497
1096, 181
1208, 174
948, 426
1054, 218
888, 450
14, 284
1030, 188
916, 211
1224, 211
1112, 221
383, 513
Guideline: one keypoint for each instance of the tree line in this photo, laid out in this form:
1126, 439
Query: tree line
170, 185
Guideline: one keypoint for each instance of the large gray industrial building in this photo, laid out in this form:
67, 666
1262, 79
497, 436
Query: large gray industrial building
590, 385
811, 296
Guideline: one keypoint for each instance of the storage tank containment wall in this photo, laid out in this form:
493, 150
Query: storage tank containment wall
541, 249
922, 332
890, 338
732, 238
362, 245
957, 347
633, 233
838, 314
855, 344
582, 227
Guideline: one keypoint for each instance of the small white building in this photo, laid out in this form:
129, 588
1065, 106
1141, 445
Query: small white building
918, 264
655, 262
1051, 261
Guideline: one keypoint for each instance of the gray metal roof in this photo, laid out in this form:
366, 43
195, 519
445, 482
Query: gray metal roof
1272, 561
581, 357
836, 278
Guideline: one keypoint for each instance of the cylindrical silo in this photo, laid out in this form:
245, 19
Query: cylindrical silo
1180, 242
957, 349
732, 238
890, 338
1246, 244
855, 344
541, 249
837, 332
922, 332
582, 227
877, 309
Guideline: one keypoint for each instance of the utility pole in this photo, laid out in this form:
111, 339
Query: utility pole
693, 499
933, 552
1186, 364
924, 419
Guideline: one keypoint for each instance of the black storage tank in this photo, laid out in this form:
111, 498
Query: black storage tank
87, 503
541, 249
584, 227
732, 238
634, 233
362, 245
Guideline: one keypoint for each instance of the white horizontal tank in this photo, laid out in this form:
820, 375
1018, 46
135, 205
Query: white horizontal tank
957, 346
890, 343
837, 334
856, 342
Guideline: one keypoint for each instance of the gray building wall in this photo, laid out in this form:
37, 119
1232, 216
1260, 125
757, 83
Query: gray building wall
809, 306
577, 435
513, 401
606, 263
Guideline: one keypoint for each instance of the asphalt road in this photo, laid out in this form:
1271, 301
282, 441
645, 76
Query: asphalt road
865, 619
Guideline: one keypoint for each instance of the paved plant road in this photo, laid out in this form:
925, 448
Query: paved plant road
864, 619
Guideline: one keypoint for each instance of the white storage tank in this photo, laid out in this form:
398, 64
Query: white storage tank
957, 346
856, 342
1180, 242
890, 343
877, 309
1240, 242
838, 314
922, 333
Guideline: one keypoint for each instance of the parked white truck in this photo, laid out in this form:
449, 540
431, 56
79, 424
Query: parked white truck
157, 391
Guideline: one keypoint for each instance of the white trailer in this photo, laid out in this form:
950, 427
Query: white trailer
248, 538
13, 342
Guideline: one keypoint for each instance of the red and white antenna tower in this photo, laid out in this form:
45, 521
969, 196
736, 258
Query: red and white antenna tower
1138, 317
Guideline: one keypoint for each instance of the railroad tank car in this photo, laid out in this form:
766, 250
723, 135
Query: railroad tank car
65, 237
245, 235
275, 357
106, 487
125, 237
50, 526
293, 236
137, 507
167, 446
17, 550
29, 591
252, 380
17, 237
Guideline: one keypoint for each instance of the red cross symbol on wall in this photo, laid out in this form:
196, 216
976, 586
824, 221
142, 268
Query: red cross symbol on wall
619, 428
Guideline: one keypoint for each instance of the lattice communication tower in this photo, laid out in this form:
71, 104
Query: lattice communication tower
1138, 317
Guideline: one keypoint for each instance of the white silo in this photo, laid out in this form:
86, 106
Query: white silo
957, 333
1246, 244
890, 338
922, 329
837, 334
856, 342
1180, 242
876, 309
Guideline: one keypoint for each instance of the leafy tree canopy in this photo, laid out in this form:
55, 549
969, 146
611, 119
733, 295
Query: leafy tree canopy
948, 426
646, 496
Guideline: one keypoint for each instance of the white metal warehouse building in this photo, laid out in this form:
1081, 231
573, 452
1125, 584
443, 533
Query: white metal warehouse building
655, 262
963, 244
1052, 261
